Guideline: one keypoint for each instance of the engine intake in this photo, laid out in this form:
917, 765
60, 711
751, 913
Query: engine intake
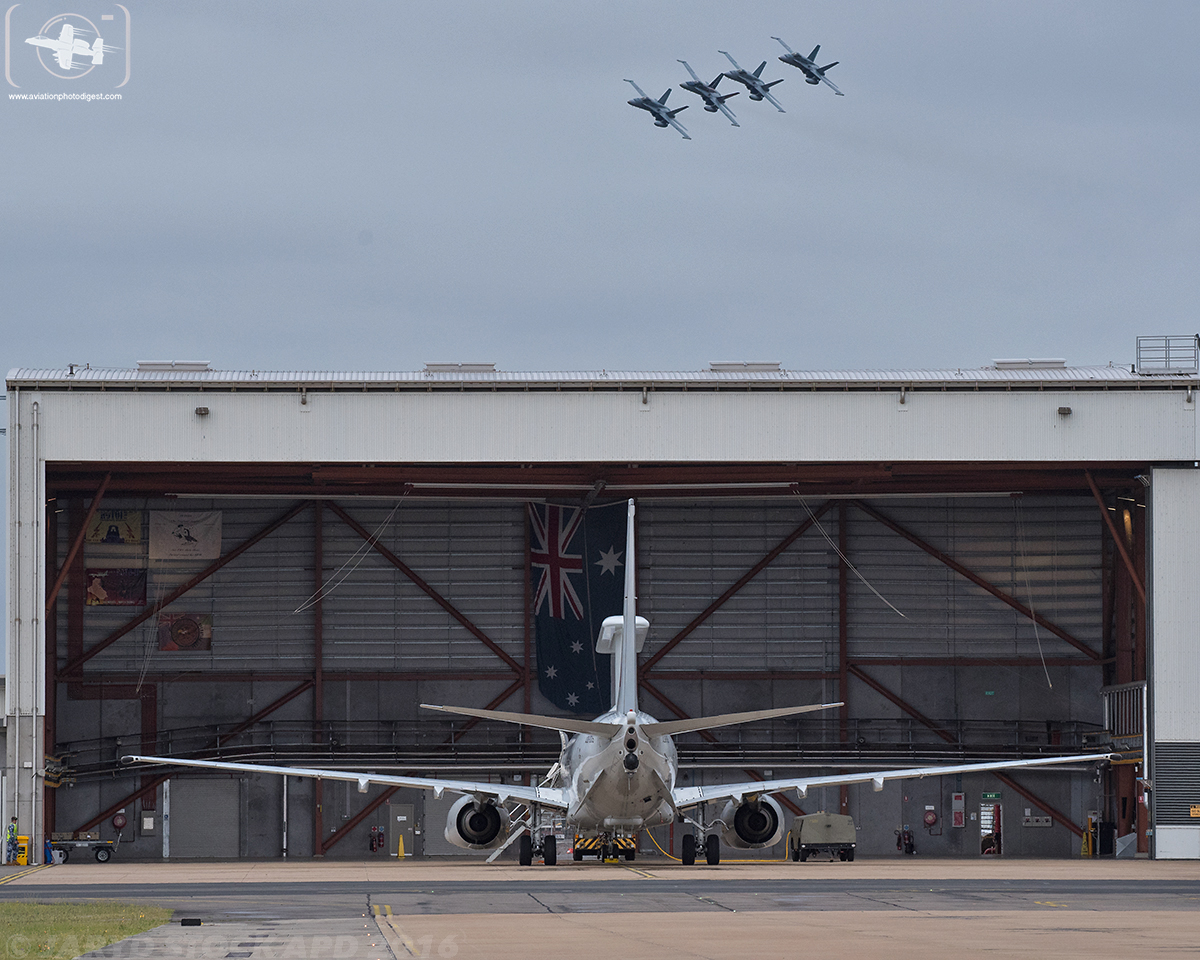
476, 826
753, 824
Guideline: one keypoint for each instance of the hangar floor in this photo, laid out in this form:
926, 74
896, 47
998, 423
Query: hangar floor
886, 908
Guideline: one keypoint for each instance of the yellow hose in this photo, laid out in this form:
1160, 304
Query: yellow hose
760, 860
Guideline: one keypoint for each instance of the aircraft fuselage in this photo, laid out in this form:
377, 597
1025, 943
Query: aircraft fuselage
617, 790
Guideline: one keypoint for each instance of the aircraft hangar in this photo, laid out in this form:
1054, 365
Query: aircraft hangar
983, 564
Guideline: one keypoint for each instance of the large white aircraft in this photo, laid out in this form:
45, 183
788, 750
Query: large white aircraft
616, 774
68, 46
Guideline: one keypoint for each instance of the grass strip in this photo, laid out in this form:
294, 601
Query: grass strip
65, 929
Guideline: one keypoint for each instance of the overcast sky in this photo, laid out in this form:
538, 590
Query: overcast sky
370, 186
376, 185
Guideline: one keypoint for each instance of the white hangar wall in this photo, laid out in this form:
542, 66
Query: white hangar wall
675, 419
671, 426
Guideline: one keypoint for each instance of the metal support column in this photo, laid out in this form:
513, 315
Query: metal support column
318, 671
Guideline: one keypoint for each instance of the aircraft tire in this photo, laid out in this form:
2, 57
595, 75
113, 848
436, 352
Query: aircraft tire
688, 855
577, 855
550, 851
712, 850
525, 850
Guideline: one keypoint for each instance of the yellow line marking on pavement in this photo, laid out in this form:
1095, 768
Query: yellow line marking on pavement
24, 873
642, 873
381, 910
1048, 903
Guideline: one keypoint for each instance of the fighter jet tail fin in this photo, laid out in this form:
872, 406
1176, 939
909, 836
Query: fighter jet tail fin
663, 98
773, 82
762, 66
679, 110
816, 50
821, 70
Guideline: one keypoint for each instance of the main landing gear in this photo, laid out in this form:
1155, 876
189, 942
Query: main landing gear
547, 849
712, 850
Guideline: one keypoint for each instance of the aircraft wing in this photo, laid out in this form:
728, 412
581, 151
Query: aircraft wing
691, 71
767, 93
825, 79
678, 126
729, 113
785, 46
641, 92
67, 35
691, 796
730, 59
64, 57
503, 792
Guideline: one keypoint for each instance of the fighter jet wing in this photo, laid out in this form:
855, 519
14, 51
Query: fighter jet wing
678, 126
641, 92
691, 71
767, 94
730, 59
503, 792
785, 46
826, 80
729, 113
691, 796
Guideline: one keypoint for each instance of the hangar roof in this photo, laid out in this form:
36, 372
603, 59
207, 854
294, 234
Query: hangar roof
1007, 376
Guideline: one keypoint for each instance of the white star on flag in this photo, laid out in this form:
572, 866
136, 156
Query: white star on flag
577, 647
591, 686
609, 561
551, 672
572, 699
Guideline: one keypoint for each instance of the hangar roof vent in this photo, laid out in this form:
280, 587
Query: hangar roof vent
167, 366
745, 366
460, 368
1030, 364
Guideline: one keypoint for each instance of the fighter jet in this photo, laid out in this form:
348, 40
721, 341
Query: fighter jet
617, 774
68, 46
713, 101
808, 65
753, 81
658, 109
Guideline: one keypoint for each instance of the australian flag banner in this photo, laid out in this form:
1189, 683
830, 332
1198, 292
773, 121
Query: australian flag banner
577, 570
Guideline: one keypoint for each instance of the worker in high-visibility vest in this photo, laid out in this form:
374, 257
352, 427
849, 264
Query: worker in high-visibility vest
10, 842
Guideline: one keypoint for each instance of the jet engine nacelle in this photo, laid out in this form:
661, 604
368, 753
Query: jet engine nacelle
476, 827
753, 823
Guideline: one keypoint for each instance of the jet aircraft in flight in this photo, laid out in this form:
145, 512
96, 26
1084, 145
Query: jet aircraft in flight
617, 774
68, 46
808, 65
753, 82
658, 109
713, 101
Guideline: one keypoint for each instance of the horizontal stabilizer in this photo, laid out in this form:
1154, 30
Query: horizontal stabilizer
672, 113
768, 86
567, 724
728, 95
671, 728
821, 70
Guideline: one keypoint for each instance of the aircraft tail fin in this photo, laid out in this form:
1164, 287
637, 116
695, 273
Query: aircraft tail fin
625, 694
663, 98
815, 51
762, 66
821, 70
720, 77
728, 95
679, 110
671, 728
773, 82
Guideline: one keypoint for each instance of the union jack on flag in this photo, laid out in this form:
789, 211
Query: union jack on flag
553, 565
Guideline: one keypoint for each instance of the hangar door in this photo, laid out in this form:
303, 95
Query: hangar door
205, 819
